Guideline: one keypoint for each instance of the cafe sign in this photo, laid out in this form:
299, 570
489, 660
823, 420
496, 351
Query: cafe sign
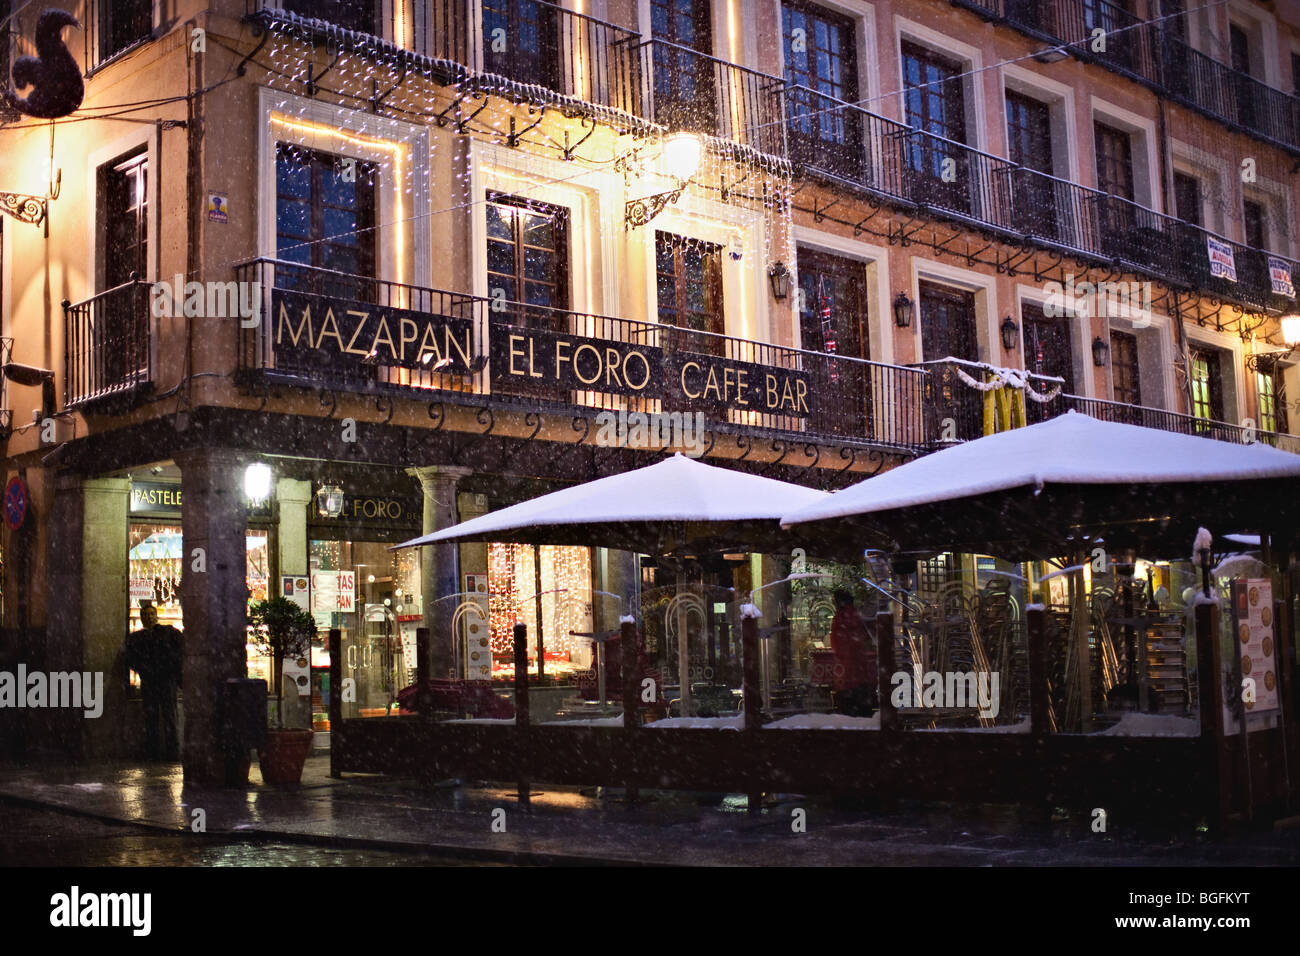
533, 358
316, 330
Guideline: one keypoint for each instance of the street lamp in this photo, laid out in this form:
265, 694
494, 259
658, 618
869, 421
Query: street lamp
1291, 330
257, 481
1010, 333
1100, 352
32, 376
681, 161
779, 276
329, 500
902, 310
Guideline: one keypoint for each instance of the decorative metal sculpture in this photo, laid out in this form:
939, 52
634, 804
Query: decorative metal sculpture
53, 74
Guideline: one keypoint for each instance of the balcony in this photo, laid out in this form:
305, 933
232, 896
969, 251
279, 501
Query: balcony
107, 346
685, 90
895, 162
438, 346
1152, 55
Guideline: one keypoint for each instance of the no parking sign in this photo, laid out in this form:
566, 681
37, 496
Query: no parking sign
15, 503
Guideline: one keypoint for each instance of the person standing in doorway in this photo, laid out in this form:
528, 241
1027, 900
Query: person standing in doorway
155, 653
854, 683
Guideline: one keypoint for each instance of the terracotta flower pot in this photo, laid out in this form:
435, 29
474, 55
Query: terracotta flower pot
283, 755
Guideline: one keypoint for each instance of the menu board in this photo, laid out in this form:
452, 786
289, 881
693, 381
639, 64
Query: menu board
334, 591
1252, 605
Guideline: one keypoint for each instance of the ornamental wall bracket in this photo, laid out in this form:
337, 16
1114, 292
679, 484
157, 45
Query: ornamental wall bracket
24, 208
639, 212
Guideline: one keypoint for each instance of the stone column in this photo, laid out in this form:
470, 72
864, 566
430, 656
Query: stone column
104, 603
215, 594
86, 619
294, 497
439, 574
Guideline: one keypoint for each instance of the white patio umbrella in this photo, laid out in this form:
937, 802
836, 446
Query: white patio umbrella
1028, 492
675, 506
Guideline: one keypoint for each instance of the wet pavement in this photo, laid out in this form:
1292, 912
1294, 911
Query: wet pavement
375, 820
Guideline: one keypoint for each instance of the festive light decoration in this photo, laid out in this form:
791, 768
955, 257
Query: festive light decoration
566, 597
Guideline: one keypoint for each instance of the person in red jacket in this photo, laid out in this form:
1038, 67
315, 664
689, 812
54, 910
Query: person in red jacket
855, 679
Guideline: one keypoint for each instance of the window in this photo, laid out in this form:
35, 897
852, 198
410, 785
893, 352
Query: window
1240, 43
528, 258
1124, 368
933, 99
1254, 224
688, 276
820, 61
1029, 144
530, 53
1244, 88
1272, 405
1047, 345
356, 15
1187, 198
683, 79
119, 339
947, 323
833, 319
123, 23
933, 103
1205, 368
125, 231
1295, 74
1114, 161
325, 218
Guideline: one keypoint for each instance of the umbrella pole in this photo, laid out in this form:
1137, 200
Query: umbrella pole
537, 597
1080, 620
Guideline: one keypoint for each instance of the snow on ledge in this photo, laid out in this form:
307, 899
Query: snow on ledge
1153, 725
586, 722
700, 723
825, 722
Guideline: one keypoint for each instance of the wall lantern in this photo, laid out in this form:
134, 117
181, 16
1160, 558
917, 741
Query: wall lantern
329, 500
1010, 333
1291, 330
902, 310
257, 481
1100, 352
780, 279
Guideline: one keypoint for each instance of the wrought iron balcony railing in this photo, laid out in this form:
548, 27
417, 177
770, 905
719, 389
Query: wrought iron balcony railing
1150, 52
107, 344
895, 161
683, 89
319, 328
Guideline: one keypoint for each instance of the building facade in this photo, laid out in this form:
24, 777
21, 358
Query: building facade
407, 254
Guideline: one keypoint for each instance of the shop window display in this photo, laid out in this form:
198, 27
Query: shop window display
566, 602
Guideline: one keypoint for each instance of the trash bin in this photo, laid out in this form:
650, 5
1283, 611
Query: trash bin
243, 725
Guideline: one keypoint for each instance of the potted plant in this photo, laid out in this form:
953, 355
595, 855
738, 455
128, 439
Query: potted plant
280, 627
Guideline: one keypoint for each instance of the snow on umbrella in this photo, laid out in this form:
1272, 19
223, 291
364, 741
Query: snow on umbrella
1028, 492
672, 505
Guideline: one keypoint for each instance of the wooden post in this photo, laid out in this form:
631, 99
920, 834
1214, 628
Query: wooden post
1210, 681
521, 709
631, 699
1040, 700
885, 670
753, 691
423, 662
336, 695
